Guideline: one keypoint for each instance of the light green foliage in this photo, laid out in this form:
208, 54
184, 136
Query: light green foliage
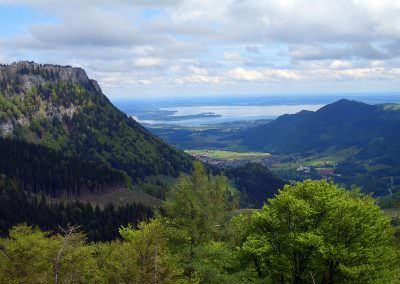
142, 256
8, 109
30, 256
317, 231
26, 257
214, 262
199, 204
197, 207
76, 259
311, 232
117, 262
153, 260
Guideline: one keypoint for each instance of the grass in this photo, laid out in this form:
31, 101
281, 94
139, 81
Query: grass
230, 155
392, 212
332, 159
328, 159
391, 107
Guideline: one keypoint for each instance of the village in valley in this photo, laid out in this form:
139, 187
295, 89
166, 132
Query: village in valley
299, 168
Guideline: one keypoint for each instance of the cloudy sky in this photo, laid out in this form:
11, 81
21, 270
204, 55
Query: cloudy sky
208, 47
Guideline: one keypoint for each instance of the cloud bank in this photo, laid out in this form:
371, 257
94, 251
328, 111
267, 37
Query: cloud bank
203, 46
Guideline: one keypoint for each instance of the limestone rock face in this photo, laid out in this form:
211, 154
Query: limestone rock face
30, 74
20, 78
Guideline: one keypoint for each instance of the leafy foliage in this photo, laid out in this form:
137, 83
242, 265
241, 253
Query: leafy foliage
317, 232
311, 232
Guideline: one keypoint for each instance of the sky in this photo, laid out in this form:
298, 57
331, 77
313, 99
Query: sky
209, 48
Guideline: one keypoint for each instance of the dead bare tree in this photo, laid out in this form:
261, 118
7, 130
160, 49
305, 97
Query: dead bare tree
67, 233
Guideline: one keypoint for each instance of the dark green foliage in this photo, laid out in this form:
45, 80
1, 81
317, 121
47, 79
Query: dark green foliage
100, 224
256, 183
40, 169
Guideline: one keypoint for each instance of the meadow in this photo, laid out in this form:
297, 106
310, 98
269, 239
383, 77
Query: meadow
230, 155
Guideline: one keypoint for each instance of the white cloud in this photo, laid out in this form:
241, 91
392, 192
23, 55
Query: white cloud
341, 64
263, 75
198, 79
148, 62
198, 70
232, 56
246, 75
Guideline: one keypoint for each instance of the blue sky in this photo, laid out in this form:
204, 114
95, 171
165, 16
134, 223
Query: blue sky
202, 47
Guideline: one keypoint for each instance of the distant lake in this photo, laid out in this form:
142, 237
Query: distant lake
201, 111
225, 113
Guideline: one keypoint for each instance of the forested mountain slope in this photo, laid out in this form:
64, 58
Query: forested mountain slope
38, 169
61, 108
373, 129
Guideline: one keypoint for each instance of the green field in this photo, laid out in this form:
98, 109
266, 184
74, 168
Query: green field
392, 212
331, 159
391, 107
230, 155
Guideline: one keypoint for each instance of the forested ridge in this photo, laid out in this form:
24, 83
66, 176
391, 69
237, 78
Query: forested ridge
61, 108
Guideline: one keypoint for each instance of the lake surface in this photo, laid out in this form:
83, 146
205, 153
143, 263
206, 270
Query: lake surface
210, 110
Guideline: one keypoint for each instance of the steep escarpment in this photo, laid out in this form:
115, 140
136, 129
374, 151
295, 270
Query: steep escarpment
61, 108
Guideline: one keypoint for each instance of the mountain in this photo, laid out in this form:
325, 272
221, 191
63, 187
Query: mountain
61, 108
68, 155
338, 125
358, 143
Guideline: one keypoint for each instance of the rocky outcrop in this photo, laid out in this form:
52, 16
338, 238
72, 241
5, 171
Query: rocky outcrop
18, 79
30, 74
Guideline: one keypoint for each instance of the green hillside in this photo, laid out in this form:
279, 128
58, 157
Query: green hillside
61, 108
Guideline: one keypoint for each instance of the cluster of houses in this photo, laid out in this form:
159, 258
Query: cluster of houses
219, 163
325, 173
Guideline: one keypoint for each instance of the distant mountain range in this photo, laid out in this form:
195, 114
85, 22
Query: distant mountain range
374, 130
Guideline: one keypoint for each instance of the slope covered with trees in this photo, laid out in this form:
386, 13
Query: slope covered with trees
61, 108
39, 169
18, 206
354, 142
375, 129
